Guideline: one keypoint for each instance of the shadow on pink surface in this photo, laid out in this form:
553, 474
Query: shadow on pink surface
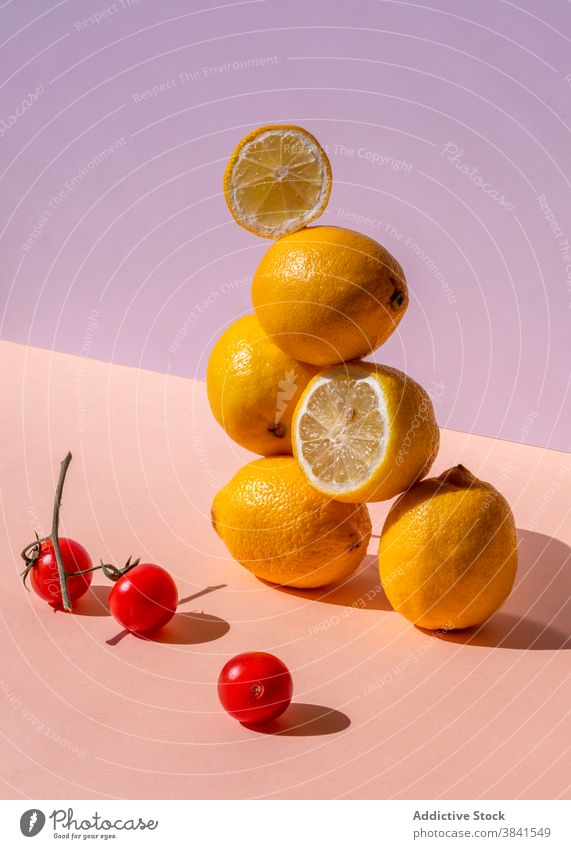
537, 615
362, 589
185, 628
191, 629
305, 720
94, 603
188, 629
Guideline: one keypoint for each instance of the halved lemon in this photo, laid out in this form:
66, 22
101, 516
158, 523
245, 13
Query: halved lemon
277, 180
364, 432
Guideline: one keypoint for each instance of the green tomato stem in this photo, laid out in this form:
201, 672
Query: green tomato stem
110, 571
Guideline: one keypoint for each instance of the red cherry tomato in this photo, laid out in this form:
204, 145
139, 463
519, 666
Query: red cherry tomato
44, 573
255, 687
144, 599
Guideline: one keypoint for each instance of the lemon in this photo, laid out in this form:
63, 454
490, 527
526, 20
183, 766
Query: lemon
364, 432
277, 526
277, 180
330, 294
448, 551
253, 387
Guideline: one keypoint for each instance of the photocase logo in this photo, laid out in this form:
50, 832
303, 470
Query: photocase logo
32, 822
65, 824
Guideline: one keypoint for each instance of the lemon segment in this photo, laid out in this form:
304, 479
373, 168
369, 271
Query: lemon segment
277, 181
364, 432
342, 431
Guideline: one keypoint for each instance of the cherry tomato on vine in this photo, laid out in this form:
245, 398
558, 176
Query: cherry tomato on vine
53, 561
144, 598
255, 687
44, 575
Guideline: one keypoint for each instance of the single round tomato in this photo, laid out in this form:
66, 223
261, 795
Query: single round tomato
144, 599
44, 574
255, 687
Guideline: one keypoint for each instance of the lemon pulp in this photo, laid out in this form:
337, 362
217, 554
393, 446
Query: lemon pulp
343, 432
278, 180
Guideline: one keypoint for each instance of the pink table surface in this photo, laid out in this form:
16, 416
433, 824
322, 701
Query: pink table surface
381, 710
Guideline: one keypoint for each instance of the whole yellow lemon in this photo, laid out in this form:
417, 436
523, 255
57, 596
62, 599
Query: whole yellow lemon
448, 551
328, 294
281, 529
253, 387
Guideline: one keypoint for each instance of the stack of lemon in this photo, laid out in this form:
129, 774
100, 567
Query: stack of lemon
288, 382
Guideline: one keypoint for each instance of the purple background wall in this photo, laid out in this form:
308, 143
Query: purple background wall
115, 239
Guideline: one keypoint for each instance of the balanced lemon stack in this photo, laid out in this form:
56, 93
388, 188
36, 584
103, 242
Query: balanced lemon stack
288, 382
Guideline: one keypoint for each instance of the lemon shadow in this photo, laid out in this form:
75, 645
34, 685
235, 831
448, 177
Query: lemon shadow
537, 614
361, 590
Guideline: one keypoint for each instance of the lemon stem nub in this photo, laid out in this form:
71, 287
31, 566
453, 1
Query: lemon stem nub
278, 430
397, 298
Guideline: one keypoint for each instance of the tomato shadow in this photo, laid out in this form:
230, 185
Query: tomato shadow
95, 602
305, 720
192, 629
362, 589
537, 615
185, 628
200, 593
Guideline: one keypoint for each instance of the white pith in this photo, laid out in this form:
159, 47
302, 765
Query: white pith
345, 435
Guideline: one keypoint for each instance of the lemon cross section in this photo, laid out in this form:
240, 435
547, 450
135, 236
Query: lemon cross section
364, 432
277, 180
